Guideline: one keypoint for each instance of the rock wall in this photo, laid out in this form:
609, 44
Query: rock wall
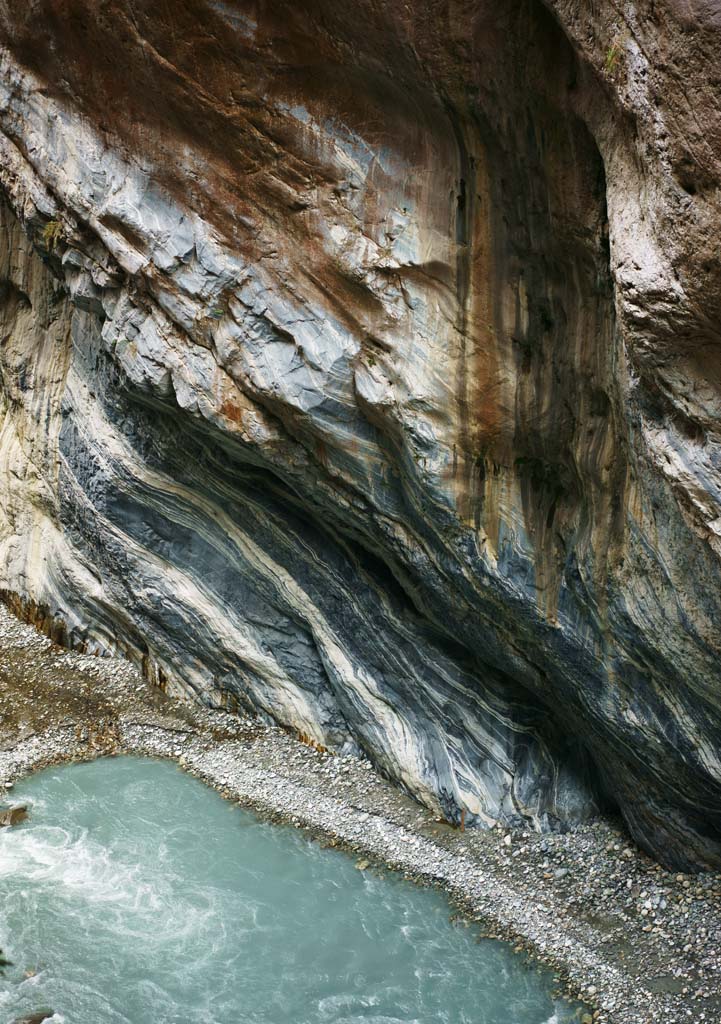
362, 366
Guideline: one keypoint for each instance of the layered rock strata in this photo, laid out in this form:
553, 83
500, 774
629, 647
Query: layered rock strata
362, 366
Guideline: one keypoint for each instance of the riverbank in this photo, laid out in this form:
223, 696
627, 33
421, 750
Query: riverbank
635, 942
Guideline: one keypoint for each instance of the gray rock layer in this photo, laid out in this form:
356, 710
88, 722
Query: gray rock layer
361, 365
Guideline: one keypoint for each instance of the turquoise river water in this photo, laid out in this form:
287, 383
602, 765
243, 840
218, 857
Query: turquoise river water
136, 895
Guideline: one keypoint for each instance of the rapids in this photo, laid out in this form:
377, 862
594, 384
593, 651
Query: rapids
135, 895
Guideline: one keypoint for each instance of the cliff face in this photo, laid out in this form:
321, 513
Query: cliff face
361, 363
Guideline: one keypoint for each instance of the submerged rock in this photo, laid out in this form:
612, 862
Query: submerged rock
362, 369
35, 1018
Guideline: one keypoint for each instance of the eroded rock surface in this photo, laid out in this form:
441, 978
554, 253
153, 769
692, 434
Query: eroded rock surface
361, 364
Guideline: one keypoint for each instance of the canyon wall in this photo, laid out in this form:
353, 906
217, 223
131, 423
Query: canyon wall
360, 364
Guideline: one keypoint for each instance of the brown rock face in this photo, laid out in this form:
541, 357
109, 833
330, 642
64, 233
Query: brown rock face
366, 369
13, 816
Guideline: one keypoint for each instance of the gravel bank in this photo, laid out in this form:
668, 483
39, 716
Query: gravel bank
636, 943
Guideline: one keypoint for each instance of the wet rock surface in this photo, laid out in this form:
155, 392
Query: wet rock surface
360, 366
638, 943
13, 816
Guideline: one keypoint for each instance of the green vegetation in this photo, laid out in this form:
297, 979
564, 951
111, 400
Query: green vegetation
52, 233
612, 57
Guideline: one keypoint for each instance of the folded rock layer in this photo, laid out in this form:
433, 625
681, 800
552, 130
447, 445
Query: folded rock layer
360, 364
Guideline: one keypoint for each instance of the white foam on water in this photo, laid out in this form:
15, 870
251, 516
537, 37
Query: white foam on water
74, 863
